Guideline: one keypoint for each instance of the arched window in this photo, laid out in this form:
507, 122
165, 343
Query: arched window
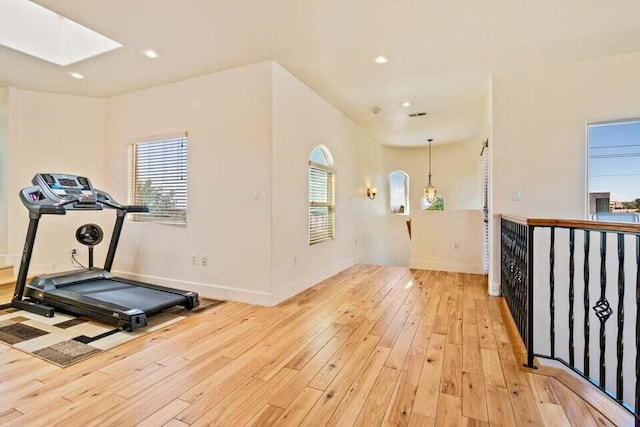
321, 196
399, 193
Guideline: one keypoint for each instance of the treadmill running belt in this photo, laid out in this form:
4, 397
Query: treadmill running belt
123, 294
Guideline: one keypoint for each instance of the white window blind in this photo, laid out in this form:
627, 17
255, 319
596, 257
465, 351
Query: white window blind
321, 204
158, 179
485, 184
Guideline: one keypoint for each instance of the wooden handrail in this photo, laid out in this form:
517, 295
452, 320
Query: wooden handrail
516, 219
618, 227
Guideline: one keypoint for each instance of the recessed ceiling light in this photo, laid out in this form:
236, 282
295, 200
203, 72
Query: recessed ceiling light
76, 75
37, 31
150, 53
381, 59
406, 103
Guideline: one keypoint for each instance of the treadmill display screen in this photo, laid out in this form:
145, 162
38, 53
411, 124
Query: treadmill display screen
67, 182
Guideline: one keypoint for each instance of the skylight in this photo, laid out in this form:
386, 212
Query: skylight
32, 29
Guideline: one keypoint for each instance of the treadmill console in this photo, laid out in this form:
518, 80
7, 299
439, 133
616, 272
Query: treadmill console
59, 192
56, 193
62, 188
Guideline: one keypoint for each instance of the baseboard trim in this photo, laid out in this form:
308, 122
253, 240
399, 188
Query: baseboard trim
34, 268
422, 264
204, 289
292, 289
494, 289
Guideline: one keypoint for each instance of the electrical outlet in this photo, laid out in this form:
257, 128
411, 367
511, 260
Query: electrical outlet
295, 260
204, 260
74, 251
456, 245
194, 259
255, 195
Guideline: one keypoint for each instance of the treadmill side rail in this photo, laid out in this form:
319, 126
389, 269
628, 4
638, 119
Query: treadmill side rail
129, 320
32, 307
192, 300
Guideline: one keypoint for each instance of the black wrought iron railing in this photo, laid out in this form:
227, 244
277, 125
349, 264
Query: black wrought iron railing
570, 286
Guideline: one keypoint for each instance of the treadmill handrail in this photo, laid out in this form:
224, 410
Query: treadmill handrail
137, 208
105, 199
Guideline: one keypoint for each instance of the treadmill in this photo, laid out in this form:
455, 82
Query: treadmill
91, 292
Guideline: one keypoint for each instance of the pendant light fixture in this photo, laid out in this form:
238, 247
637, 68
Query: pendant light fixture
430, 190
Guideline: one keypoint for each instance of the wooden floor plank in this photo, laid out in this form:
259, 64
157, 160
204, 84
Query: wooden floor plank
600, 418
576, 410
165, 414
524, 407
428, 391
310, 350
452, 371
553, 415
401, 405
474, 403
332, 368
492, 368
290, 391
323, 410
401, 347
266, 417
299, 408
370, 346
449, 411
9, 415
175, 423
471, 358
349, 407
418, 420
239, 406
373, 409
499, 407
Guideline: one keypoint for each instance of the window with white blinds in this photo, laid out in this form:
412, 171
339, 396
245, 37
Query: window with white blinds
321, 197
158, 179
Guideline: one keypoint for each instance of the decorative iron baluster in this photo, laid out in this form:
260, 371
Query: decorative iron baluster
602, 308
530, 290
586, 303
620, 341
514, 271
552, 287
572, 243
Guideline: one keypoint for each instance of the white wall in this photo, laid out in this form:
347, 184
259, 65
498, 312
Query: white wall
4, 174
449, 240
456, 170
303, 120
374, 244
539, 135
50, 133
228, 117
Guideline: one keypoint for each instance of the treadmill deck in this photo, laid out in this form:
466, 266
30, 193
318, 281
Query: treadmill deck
124, 294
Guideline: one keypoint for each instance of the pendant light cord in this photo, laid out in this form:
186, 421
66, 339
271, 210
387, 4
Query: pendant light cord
430, 161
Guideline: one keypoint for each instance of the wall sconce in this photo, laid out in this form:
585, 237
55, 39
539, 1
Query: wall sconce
371, 193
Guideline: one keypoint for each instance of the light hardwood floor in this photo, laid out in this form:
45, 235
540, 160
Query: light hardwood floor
371, 346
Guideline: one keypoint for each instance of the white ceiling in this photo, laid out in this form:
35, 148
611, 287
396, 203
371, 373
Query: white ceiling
442, 52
